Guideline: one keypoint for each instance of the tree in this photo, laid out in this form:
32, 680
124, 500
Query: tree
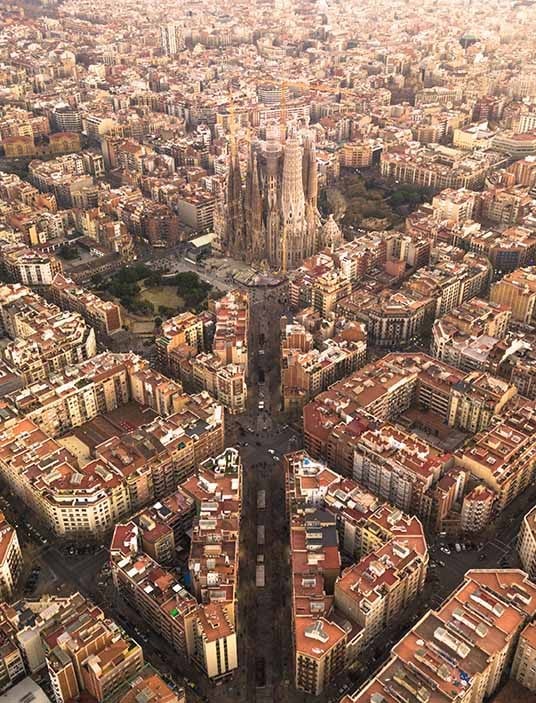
68, 252
97, 279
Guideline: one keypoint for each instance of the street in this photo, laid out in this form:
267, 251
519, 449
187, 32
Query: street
264, 621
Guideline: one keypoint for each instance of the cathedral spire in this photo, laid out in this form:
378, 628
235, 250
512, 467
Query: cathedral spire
255, 244
235, 205
292, 204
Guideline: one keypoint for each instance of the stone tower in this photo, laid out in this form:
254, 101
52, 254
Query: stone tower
310, 188
274, 216
294, 222
271, 188
255, 239
234, 240
330, 234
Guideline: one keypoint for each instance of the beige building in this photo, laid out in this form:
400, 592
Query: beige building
320, 653
203, 630
517, 290
10, 558
230, 341
462, 651
334, 616
477, 509
224, 381
465, 336
524, 664
82, 651
180, 335
436, 166
526, 543
503, 456
27, 266
84, 492
103, 315
305, 371
476, 400
328, 289
375, 591
44, 339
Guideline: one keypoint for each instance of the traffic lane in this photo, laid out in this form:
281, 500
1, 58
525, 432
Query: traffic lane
255, 454
457, 564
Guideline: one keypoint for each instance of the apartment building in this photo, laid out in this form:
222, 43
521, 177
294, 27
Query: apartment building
320, 653
44, 339
526, 543
455, 205
196, 209
22, 264
517, 290
10, 559
477, 316
307, 371
375, 591
359, 154
476, 400
103, 315
12, 663
82, 651
393, 319
399, 467
226, 382
381, 390
163, 525
99, 385
449, 283
516, 145
506, 205
172, 38
230, 341
84, 493
331, 620
477, 509
328, 289
467, 335
180, 336
221, 372
436, 167
503, 456
148, 686
203, 629
462, 650
524, 664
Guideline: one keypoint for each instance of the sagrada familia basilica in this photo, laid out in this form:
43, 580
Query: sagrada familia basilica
272, 218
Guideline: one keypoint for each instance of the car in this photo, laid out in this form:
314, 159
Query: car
275, 458
271, 451
261, 405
